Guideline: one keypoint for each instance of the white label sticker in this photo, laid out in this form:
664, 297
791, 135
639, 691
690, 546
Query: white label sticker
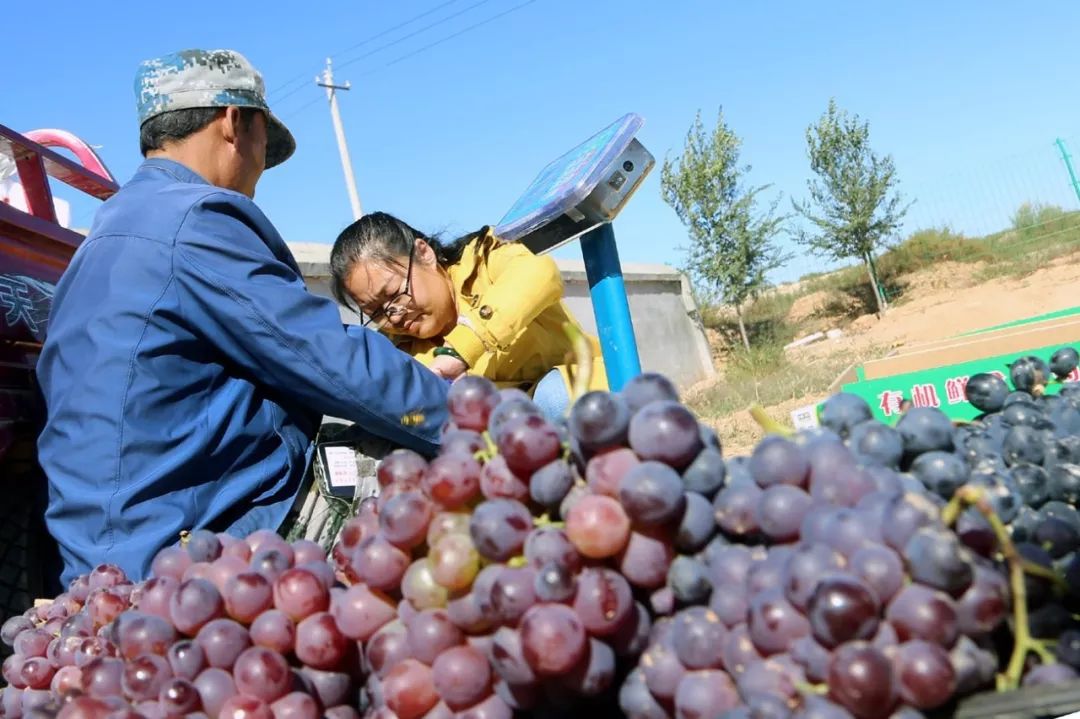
341, 466
805, 417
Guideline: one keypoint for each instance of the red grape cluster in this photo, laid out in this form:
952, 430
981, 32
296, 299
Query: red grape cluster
224, 628
613, 563
514, 564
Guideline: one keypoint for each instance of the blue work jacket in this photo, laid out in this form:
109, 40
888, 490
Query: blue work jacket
185, 372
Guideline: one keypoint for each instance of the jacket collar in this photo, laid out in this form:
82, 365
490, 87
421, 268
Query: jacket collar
177, 170
182, 173
475, 255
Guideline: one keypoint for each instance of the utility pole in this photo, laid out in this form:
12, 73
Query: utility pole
327, 81
1068, 165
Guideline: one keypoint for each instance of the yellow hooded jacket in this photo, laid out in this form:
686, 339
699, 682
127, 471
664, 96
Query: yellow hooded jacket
510, 317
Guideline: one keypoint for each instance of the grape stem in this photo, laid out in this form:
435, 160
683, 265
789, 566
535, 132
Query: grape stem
767, 423
490, 450
1038, 570
811, 688
969, 495
545, 520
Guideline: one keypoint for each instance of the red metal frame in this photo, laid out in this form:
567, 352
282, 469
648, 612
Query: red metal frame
34, 245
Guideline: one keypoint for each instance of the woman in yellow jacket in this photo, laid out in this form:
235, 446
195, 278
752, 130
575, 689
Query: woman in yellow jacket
475, 305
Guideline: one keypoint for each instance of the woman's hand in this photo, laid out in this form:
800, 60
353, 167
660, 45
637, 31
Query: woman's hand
448, 367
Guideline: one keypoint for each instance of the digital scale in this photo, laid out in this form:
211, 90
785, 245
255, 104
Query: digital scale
576, 196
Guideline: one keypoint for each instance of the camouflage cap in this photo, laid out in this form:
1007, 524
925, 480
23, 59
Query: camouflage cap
208, 78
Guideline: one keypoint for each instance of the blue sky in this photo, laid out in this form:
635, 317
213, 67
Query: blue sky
967, 96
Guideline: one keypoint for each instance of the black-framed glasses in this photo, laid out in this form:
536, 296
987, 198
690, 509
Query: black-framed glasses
396, 306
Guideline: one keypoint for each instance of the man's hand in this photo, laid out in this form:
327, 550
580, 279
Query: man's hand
448, 367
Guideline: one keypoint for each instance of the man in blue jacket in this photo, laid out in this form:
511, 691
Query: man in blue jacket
187, 367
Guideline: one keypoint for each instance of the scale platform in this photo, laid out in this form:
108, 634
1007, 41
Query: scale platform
578, 195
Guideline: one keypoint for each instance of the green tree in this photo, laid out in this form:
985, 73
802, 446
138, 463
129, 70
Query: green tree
732, 245
853, 204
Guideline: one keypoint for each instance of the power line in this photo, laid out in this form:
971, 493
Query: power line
414, 33
413, 53
448, 37
401, 25
278, 100
398, 41
303, 76
300, 109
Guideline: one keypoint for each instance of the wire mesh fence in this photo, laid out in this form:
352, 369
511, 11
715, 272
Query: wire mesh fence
1024, 206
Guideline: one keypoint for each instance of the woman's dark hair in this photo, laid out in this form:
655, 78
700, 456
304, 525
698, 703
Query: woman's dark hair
383, 238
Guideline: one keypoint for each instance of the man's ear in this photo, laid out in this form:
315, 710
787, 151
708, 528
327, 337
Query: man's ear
231, 124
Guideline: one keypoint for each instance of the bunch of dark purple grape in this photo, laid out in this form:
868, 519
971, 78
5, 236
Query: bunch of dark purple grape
1023, 451
613, 563
833, 590
225, 627
1028, 441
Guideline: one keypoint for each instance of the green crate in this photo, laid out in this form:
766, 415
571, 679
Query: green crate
1059, 314
935, 374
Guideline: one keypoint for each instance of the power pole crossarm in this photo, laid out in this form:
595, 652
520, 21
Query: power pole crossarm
327, 81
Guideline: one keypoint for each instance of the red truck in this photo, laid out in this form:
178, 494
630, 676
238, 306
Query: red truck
35, 248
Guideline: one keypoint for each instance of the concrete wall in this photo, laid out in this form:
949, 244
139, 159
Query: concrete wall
669, 335
666, 324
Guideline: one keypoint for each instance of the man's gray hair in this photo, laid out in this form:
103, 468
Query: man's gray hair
178, 125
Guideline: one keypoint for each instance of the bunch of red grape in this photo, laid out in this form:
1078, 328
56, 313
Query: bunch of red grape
613, 563
522, 570
225, 627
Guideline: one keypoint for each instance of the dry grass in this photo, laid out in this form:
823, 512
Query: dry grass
781, 381
773, 380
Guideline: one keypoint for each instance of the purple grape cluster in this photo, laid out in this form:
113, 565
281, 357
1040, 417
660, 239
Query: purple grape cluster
613, 563
521, 559
1023, 451
832, 590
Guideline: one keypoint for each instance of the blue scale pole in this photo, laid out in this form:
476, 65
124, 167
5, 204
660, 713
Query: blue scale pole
617, 341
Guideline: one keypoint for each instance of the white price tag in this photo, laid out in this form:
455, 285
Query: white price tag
805, 417
341, 468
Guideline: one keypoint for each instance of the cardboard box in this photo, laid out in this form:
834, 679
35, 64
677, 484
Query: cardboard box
934, 374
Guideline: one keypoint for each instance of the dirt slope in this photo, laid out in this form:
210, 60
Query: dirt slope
937, 304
